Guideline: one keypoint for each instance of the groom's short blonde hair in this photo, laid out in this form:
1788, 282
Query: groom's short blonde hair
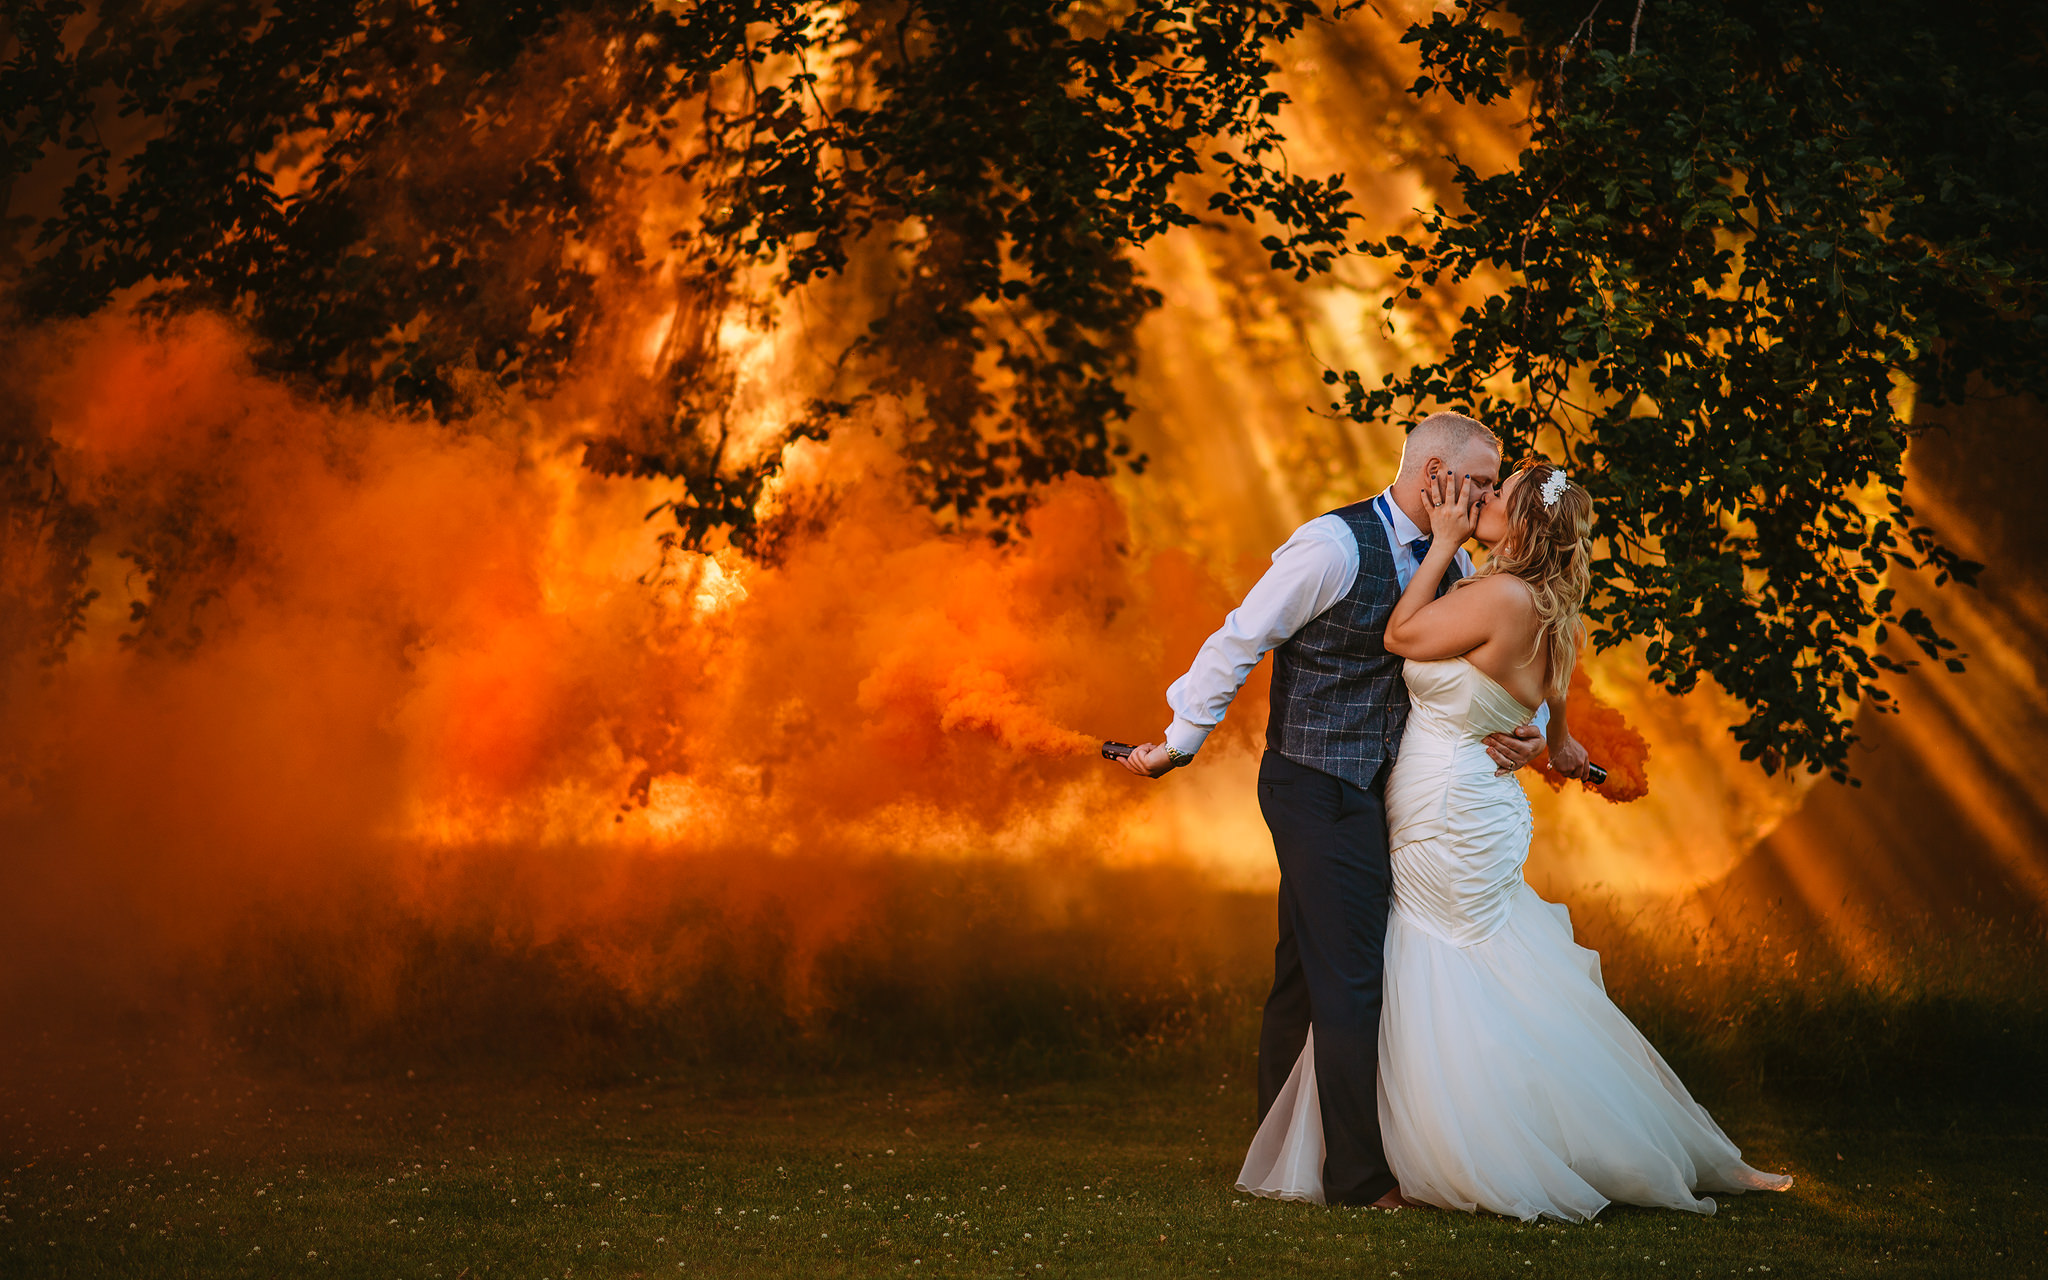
1444, 435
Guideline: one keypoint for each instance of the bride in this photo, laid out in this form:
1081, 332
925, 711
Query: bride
1508, 1080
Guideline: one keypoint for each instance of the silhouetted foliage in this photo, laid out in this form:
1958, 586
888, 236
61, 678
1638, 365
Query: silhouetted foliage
1737, 232
459, 167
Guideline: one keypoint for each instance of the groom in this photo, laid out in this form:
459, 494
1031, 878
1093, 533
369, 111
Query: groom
1339, 705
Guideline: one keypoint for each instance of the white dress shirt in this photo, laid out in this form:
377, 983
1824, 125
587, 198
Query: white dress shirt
1311, 571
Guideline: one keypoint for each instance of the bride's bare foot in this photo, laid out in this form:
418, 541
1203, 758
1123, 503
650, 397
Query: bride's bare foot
1395, 1200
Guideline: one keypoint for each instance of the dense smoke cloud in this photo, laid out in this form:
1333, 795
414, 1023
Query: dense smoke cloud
349, 667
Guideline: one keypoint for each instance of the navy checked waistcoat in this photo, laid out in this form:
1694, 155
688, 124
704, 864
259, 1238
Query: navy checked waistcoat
1339, 703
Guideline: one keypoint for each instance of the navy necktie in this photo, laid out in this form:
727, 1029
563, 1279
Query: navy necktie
1419, 547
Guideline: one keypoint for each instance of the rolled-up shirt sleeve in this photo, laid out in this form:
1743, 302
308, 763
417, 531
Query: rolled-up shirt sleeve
1310, 572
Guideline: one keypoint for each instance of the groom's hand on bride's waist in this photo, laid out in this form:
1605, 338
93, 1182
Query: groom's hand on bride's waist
1510, 751
1153, 760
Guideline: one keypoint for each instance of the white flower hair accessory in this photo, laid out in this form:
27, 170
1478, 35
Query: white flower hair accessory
1553, 487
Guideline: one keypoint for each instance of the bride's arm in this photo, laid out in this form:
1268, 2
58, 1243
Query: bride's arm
1566, 755
1555, 734
1427, 628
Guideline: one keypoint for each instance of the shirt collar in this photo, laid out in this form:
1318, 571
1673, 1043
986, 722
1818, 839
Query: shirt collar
1404, 528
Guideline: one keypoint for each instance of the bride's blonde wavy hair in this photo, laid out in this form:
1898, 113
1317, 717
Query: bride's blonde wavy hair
1550, 548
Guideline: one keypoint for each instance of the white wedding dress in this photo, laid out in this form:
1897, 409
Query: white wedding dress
1509, 1082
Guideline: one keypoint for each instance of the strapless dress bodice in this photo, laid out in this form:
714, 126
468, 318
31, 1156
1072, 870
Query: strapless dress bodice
1452, 698
1458, 829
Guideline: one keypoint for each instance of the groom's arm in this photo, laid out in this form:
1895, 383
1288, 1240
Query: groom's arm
1310, 572
1512, 751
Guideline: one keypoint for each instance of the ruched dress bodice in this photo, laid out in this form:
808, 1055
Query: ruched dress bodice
1457, 828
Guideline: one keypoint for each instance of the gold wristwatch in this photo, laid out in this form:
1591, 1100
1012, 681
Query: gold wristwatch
1176, 757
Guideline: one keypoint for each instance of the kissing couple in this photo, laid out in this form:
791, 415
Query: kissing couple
1434, 1035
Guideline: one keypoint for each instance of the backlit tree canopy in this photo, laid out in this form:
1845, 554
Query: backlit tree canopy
458, 170
1736, 230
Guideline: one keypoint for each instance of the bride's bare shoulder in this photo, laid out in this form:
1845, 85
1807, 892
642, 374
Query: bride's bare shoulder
1511, 606
1503, 591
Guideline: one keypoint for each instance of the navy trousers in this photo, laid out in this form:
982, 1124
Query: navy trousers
1336, 883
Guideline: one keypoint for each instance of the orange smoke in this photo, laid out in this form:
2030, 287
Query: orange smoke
355, 658
363, 688
1610, 742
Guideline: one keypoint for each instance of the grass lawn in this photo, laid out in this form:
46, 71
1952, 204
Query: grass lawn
450, 1179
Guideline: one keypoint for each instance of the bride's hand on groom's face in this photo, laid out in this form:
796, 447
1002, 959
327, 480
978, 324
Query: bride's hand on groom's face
1453, 508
